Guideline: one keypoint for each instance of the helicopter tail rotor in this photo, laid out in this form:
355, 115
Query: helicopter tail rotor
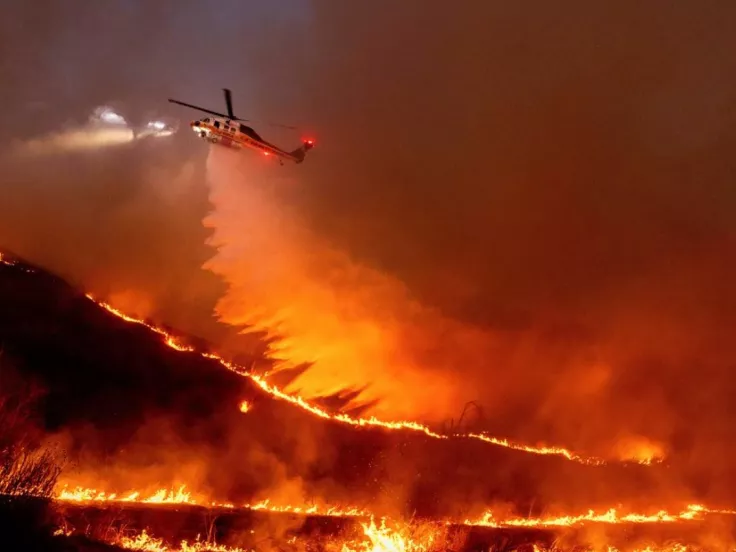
300, 153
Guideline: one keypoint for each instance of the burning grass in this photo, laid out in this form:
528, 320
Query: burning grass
28, 472
382, 535
169, 519
299, 528
28, 467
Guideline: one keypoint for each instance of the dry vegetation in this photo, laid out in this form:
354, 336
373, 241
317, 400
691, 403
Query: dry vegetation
27, 466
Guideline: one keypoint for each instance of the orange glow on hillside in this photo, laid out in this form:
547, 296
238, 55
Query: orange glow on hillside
372, 421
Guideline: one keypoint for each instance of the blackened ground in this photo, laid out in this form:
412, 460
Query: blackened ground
30, 525
98, 368
122, 397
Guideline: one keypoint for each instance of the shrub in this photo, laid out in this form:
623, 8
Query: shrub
27, 466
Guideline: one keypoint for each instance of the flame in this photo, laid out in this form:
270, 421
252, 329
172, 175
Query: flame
693, 512
540, 449
383, 539
640, 449
147, 543
312, 510
372, 421
398, 537
393, 539
244, 406
180, 495
390, 535
161, 496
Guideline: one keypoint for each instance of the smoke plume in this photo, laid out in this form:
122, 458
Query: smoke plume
358, 327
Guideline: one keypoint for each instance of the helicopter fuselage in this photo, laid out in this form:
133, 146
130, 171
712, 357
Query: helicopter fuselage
236, 135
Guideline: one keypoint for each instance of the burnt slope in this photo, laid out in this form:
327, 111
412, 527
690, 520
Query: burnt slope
99, 369
137, 413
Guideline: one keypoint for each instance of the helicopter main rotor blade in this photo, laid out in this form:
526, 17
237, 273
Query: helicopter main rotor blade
202, 109
282, 126
229, 115
270, 124
229, 103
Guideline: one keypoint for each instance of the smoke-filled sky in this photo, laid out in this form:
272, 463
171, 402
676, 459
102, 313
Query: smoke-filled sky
528, 204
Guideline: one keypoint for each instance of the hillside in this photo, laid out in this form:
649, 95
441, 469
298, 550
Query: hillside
136, 414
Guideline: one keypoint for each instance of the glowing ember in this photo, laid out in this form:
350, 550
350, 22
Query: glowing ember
274, 391
244, 406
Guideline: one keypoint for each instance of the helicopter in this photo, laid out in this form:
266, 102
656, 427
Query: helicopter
227, 130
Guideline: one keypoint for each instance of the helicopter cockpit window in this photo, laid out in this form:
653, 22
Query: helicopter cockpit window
249, 132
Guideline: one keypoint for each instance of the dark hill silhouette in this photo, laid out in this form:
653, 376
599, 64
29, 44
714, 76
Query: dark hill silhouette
99, 369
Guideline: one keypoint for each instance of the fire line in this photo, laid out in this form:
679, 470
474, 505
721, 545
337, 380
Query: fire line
274, 391
692, 512
181, 496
